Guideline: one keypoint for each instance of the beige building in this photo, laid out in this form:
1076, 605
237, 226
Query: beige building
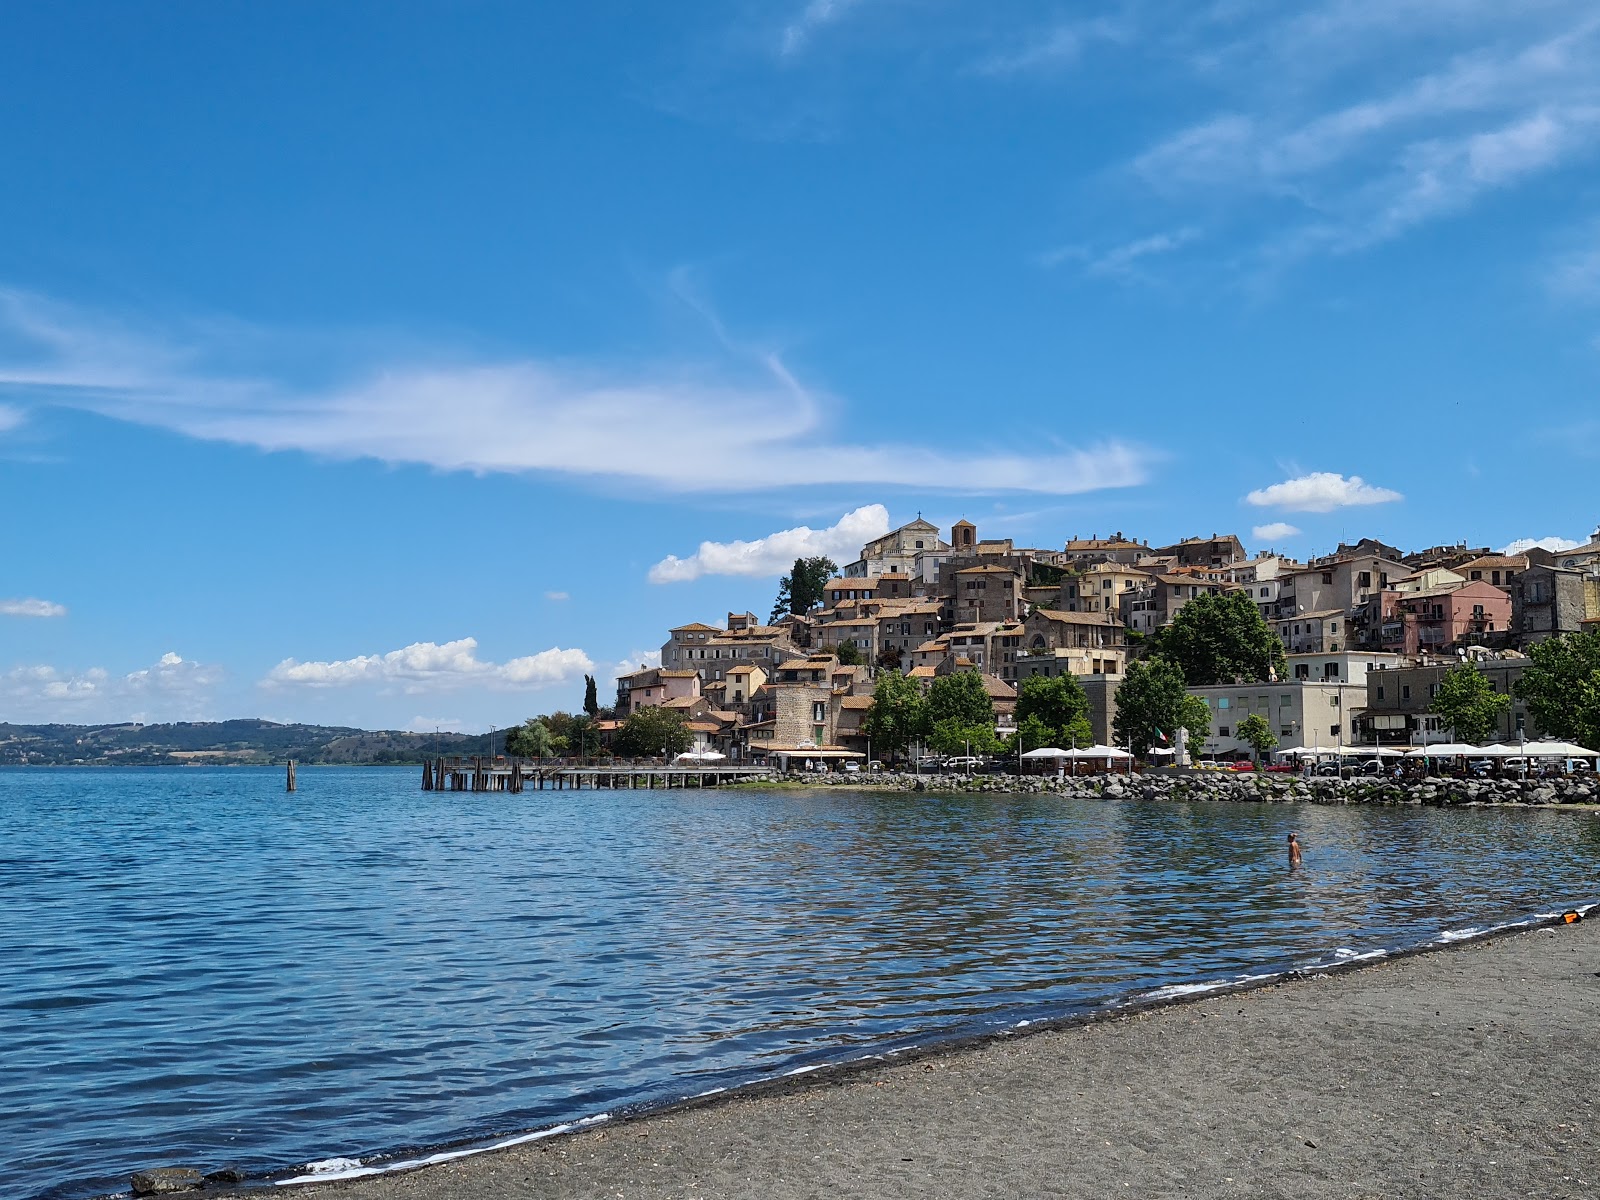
1307, 713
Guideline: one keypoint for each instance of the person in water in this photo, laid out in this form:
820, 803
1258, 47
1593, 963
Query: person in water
1294, 851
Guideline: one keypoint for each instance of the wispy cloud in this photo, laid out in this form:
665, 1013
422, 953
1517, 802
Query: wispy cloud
557, 597
775, 553
643, 425
1516, 94
815, 16
1122, 262
32, 608
1319, 492
1276, 531
431, 666
10, 417
1051, 48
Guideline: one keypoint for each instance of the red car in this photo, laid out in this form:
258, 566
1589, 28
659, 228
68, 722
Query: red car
1286, 768
1242, 765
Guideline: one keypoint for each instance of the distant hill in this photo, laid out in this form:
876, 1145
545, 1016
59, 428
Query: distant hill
222, 742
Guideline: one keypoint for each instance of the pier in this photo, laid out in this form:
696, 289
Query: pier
499, 774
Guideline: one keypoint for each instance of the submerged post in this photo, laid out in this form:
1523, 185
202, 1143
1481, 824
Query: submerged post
290, 782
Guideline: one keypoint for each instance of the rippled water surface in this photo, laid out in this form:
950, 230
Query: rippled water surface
196, 968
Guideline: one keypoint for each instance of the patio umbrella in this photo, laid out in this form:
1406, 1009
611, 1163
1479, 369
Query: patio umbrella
1047, 752
1558, 750
1443, 750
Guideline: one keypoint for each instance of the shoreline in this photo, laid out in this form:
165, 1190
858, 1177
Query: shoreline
590, 1158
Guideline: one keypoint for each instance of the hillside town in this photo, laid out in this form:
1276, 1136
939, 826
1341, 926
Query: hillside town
1368, 633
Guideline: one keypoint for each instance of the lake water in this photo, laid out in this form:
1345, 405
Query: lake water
198, 969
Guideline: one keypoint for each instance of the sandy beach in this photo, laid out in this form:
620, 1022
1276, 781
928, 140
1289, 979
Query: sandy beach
1471, 1070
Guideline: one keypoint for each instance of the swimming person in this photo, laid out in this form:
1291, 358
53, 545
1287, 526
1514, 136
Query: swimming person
1294, 852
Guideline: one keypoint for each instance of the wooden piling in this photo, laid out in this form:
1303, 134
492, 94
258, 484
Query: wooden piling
290, 780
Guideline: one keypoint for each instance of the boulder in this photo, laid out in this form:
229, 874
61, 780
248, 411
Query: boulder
162, 1181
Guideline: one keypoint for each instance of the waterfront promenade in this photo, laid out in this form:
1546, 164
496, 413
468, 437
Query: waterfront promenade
1467, 1071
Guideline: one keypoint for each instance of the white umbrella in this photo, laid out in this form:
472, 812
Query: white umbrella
1047, 752
1162, 750
700, 756
1558, 750
1098, 751
1499, 750
1443, 750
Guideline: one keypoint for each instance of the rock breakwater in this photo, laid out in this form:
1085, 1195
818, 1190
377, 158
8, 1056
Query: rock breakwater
1200, 786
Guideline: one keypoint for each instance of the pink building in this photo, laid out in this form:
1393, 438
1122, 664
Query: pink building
1442, 618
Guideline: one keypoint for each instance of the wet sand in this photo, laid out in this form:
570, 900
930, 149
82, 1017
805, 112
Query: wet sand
1473, 1071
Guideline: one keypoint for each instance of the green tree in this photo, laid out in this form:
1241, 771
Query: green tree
1257, 734
1562, 687
1060, 705
1194, 717
1150, 704
801, 589
652, 731
591, 697
960, 696
1468, 703
1220, 638
898, 716
950, 736
531, 739
848, 653
1033, 734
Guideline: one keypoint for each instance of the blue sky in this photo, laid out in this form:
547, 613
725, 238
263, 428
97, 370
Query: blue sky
394, 364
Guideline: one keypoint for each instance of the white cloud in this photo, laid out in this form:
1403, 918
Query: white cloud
1553, 544
430, 724
32, 608
816, 15
1122, 262
638, 660
1275, 532
430, 666
1498, 94
638, 425
557, 596
1321, 491
775, 553
10, 417
1051, 49
177, 688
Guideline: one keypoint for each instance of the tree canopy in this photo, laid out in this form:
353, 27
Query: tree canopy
1058, 706
532, 739
961, 697
1220, 638
951, 736
801, 589
652, 731
899, 714
1468, 703
1152, 705
848, 654
1257, 734
591, 698
1562, 687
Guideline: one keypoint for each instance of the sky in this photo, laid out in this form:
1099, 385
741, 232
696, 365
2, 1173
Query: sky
397, 364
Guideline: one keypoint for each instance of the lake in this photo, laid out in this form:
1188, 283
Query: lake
198, 969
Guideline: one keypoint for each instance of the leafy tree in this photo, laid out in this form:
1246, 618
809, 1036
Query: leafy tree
1220, 638
1151, 704
801, 589
591, 697
1032, 733
848, 653
1562, 687
1058, 704
899, 714
961, 696
890, 658
1257, 734
1195, 720
1468, 703
531, 739
950, 736
652, 731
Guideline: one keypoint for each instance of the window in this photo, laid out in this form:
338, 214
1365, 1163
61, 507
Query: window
1333, 731
919, 545
1222, 702
1286, 701
1327, 577
1286, 730
1222, 731
819, 710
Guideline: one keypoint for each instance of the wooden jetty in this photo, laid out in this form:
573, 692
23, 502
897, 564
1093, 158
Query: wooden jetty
500, 774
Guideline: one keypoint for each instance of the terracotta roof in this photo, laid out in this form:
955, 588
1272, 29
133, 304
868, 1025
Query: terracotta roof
1320, 614
990, 570
701, 726
920, 673
679, 674
1075, 618
696, 627
998, 688
1494, 562
856, 702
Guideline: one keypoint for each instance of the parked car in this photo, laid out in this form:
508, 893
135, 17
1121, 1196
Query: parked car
963, 762
1330, 768
1280, 767
1372, 767
852, 768
1243, 764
